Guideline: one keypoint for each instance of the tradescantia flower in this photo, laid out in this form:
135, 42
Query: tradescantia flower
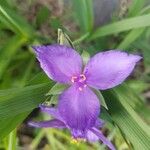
78, 107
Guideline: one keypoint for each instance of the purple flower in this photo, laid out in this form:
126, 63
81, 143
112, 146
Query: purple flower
78, 106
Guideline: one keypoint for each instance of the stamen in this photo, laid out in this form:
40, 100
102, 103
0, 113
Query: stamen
80, 88
85, 85
77, 140
74, 141
82, 77
73, 78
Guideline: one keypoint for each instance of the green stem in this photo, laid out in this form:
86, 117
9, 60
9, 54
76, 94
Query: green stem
37, 139
12, 140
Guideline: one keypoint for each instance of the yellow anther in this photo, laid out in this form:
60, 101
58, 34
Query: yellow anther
77, 140
74, 141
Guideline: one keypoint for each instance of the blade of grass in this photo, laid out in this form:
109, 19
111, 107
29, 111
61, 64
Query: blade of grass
134, 34
12, 143
27, 72
127, 120
37, 139
9, 51
130, 38
13, 21
84, 13
135, 7
121, 26
20, 100
15, 104
9, 123
130, 96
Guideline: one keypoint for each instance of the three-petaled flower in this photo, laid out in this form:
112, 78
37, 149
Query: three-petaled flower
78, 107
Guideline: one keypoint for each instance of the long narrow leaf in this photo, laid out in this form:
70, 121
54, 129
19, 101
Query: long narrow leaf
8, 52
84, 13
13, 21
120, 26
128, 121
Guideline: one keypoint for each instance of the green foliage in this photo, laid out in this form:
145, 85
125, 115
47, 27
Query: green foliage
84, 12
13, 21
23, 88
9, 51
134, 129
42, 16
123, 25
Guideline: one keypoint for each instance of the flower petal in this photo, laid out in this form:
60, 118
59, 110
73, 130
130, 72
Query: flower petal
59, 62
91, 137
108, 69
99, 134
79, 109
99, 123
51, 111
55, 123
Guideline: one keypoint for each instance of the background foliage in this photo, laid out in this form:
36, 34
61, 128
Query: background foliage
125, 108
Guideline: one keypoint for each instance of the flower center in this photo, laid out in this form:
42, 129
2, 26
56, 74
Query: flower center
80, 80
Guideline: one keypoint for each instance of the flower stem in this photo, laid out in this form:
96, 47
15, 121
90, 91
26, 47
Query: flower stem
37, 139
12, 140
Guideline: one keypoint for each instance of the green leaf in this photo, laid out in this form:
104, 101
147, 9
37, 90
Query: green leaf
57, 89
55, 23
39, 78
101, 98
8, 124
129, 96
104, 115
63, 39
136, 33
132, 126
85, 56
13, 21
144, 46
14, 102
54, 100
135, 7
9, 51
121, 26
42, 16
138, 86
83, 10
130, 38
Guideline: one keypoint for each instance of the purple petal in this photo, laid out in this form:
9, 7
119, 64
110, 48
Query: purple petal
91, 137
79, 109
108, 69
76, 134
48, 124
103, 138
99, 123
51, 111
59, 62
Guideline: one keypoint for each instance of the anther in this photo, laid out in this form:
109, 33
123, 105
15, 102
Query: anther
80, 89
73, 78
74, 141
82, 77
85, 85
